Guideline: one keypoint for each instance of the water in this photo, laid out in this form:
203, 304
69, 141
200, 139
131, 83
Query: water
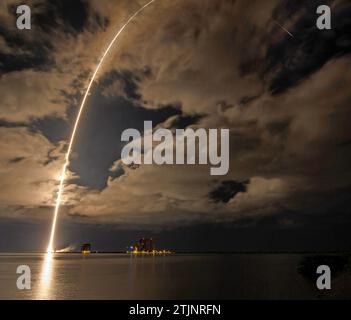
180, 276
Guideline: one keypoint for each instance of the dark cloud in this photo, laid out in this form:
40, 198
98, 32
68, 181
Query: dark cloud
124, 80
292, 60
183, 121
34, 49
98, 144
10, 62
227, 190
54, 128
345, 143
9, 124
279, 127
25, 53
70, 16
247, 99
17, 159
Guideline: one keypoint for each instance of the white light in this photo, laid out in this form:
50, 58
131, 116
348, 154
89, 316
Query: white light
81, 108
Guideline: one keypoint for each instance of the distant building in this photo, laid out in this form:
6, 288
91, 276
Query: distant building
86, 248
145, 244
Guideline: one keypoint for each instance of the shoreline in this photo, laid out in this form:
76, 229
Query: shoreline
186, 252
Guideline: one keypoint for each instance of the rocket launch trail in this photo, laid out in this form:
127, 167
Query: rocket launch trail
76, 124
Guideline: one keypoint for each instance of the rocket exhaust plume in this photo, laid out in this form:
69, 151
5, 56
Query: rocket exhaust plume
81, 108
70, 248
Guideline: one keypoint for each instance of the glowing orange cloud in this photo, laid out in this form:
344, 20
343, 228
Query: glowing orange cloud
81, 108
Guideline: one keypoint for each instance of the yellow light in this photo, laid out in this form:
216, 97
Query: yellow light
45, 277
81, 108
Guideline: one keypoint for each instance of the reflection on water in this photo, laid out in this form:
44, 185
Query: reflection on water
46, 275
179, 276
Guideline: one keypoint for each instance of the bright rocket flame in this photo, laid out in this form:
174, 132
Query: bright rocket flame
81, 108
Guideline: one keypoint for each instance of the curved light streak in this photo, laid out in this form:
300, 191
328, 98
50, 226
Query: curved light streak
62, 178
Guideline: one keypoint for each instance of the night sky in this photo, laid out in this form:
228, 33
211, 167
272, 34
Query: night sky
181, 64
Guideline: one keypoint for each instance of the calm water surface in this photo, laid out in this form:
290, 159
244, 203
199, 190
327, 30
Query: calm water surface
187, 276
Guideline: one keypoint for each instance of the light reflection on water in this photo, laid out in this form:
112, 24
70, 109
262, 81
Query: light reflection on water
46, 275
188, 276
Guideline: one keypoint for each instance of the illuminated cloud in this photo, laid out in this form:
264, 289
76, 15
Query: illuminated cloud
216, 64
